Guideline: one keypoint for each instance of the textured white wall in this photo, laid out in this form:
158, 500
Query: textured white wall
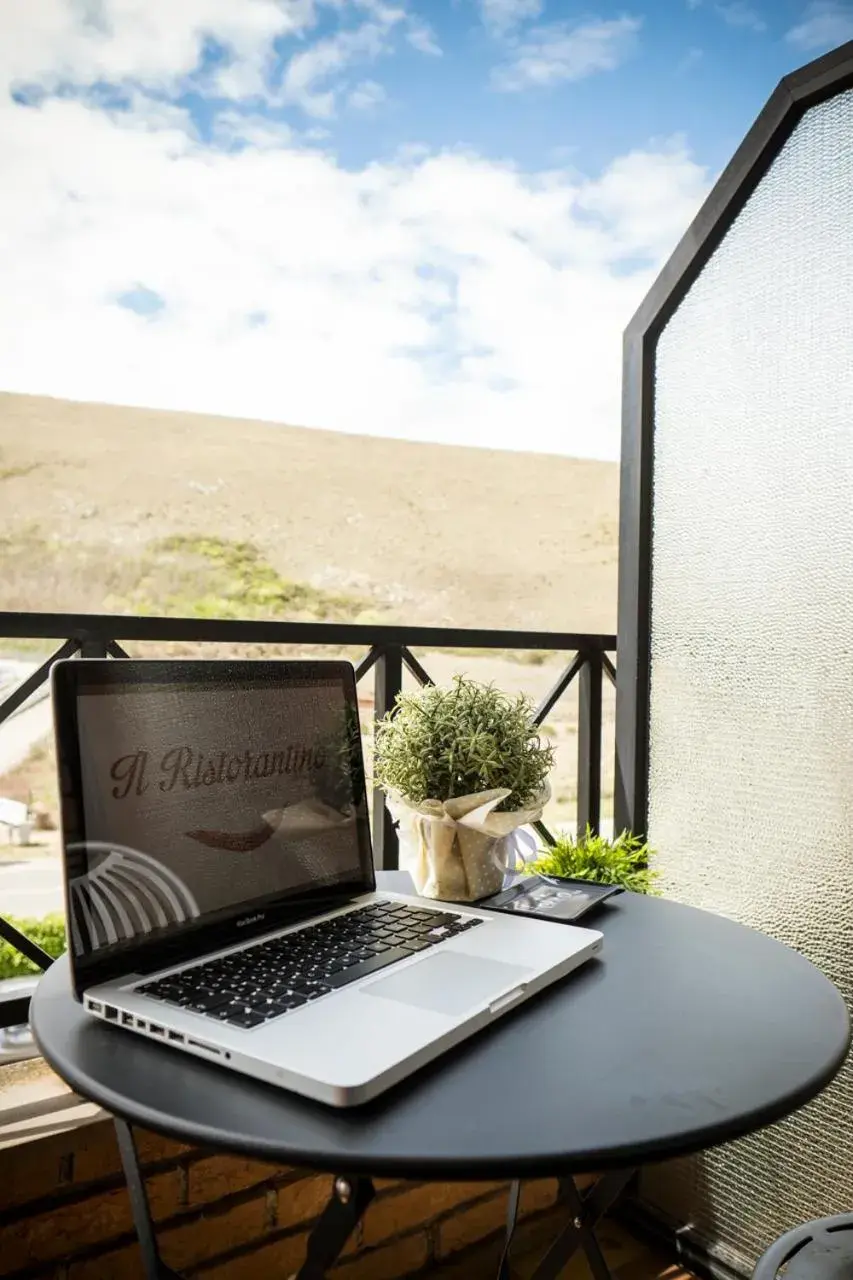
751, 732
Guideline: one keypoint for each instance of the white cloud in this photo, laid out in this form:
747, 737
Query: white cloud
825, 24
630, 200
421, 36
503, 16
152, 42
557, 52
441, 296
236, 129
159, 46
311, 77
366, 95
436, 295
740, 14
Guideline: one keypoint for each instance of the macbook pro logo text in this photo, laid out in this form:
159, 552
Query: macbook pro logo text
251, 919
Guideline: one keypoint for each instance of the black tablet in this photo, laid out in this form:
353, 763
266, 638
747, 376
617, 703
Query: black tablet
550, 899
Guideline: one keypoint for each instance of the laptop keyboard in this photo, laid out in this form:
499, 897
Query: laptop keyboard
249, 987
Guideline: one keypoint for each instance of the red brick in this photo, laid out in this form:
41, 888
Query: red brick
118, 1264
303, 1200
94, 1152
279, 1257
66, 1229
530, 1242
470, 1225
480, 1262
154, 1147
395, 1261
538, 1194
96, 1155
217, 1176
215, 1233
536, 1235
390, 1215
40, 1167
386, 1184
30, 1170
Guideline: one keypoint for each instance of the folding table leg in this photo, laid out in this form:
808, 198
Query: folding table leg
511, 1217
154, 1266
336, 1223
585, 1213
342, 1214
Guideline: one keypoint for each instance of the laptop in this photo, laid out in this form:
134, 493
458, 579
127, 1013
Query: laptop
220, 891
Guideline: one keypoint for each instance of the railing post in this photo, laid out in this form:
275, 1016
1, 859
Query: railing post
388, 681
589, 742
93, 645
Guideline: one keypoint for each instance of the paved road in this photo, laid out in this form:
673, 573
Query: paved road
27, 726
31, 887
23, 731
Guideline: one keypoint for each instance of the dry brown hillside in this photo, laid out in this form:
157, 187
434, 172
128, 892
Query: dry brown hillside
140, 511
104, 507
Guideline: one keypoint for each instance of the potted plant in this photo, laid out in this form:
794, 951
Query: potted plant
463, 769
623, 861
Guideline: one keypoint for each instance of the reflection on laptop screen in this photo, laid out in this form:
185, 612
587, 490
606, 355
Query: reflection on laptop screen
201, 800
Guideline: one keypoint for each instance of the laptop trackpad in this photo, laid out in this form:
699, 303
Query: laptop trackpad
448, 982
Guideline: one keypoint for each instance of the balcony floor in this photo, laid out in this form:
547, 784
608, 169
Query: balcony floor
628, 1257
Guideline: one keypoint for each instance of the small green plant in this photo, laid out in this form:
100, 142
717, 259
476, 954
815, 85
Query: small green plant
623, 861
48, 933
440, 743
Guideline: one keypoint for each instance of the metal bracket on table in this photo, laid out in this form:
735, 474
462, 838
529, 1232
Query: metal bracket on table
336, 1223
585, 1212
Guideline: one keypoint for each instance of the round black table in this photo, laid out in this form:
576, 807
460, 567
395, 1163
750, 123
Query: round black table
688, 1031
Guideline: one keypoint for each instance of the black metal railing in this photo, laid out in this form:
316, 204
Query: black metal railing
388, 651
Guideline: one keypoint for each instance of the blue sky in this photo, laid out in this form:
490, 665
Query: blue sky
703, 69
429, 219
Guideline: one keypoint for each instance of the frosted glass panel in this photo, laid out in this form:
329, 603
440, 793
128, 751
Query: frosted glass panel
751, 734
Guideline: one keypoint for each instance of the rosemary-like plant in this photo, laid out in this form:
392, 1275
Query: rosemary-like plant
624, 861
439, 743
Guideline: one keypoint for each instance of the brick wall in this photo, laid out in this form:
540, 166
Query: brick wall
65, 1215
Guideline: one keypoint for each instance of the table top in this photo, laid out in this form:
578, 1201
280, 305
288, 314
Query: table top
688, 1031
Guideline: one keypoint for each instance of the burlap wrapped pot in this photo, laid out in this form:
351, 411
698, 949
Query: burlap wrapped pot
460, 850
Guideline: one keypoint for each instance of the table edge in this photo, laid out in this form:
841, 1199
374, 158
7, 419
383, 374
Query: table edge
475, 1169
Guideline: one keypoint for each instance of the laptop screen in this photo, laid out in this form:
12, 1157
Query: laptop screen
203, 794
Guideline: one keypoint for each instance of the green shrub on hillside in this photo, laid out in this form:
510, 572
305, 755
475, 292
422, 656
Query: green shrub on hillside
48, 933
177, 576
210, 577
